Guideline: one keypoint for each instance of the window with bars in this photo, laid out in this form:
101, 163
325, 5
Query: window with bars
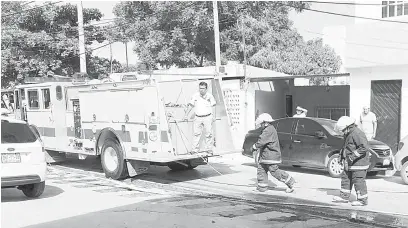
333, 113
394, 8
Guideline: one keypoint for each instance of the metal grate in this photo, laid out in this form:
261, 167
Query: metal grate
333, 113
233, 103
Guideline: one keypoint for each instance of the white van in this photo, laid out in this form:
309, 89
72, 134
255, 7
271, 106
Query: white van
22, 158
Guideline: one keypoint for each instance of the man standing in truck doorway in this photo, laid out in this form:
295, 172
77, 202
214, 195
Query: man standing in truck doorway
204, 108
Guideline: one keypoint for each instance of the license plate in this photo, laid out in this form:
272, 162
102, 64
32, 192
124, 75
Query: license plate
386, 162
10, 158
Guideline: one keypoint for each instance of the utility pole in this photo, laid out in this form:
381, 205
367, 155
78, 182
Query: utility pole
243, 46
82, 54
216, 38
110, 49
127, 61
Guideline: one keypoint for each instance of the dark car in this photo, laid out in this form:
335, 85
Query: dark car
313, 143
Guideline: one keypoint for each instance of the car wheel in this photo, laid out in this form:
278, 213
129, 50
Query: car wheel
333, 166
372, 173
34, 190
404, 172
113, 160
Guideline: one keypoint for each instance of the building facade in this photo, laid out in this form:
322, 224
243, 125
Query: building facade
375, 53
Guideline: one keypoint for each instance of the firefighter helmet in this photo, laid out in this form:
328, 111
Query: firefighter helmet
264, 117
344, 122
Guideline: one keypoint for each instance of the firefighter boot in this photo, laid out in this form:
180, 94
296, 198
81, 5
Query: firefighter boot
338, 199
362, 200
290, 183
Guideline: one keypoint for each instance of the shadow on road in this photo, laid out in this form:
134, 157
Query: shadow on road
15, 195
158, 174
163, 175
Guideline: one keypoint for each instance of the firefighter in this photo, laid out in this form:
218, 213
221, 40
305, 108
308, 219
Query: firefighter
269, 155
355, 158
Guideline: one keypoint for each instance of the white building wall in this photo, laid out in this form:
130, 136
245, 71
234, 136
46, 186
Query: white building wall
360, 89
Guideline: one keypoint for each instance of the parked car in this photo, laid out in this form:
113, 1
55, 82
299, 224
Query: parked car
22, 157
401, 159
313, 143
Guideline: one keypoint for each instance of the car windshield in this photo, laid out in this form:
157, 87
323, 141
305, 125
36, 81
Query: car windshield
329, 126
16, 133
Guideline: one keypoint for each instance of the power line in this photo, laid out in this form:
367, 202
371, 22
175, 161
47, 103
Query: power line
346, 3
347, 15
38, 7
360, 44
363, 60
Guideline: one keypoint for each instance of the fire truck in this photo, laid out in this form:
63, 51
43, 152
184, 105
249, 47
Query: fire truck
131, 122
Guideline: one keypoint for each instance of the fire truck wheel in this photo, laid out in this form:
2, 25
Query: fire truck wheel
113, 160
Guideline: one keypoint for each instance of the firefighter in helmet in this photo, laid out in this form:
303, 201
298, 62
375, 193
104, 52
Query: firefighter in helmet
355, 158
269, 155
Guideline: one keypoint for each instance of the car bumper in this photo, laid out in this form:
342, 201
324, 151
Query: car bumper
381, 163
22, 174
20, 180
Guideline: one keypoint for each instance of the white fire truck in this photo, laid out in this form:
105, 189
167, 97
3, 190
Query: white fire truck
130, 124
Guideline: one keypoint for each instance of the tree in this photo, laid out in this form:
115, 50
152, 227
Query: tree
43, 40
181, 34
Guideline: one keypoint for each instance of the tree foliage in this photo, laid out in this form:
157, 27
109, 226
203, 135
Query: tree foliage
43, 40
180, 33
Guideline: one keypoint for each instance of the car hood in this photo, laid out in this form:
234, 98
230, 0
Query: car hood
376, 143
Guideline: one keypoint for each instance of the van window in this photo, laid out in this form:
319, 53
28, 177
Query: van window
46, 98
16, 133
58, 90
33, 99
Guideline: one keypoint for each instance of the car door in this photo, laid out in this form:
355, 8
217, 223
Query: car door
284, 129
309, 142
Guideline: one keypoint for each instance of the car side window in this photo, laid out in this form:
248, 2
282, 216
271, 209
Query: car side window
285, 126
307, 127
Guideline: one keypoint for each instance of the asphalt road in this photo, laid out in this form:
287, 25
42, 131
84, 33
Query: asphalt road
78, 195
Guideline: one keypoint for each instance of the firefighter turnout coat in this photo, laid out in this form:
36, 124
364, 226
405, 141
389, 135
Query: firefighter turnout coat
355, 152
268, 146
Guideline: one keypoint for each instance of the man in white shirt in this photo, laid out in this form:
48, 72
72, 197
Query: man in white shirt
204, 104
300, 112
368, 123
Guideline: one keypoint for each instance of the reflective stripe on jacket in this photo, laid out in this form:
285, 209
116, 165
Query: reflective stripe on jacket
268, 144
356, 150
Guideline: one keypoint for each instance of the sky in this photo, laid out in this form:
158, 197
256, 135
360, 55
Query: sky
309, 25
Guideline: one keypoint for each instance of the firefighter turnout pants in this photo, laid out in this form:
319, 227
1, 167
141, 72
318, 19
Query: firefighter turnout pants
262, 176
356, 178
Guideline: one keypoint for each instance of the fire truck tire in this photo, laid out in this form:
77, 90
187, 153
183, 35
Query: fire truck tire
113, 160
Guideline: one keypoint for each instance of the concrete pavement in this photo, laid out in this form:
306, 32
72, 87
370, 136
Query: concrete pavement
79, 190
193, 211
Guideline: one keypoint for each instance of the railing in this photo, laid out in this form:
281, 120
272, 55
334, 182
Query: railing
333, 113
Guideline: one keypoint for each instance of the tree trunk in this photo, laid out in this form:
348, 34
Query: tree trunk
201, 60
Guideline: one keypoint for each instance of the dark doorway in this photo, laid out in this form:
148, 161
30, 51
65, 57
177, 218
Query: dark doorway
289, 106
386, 105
